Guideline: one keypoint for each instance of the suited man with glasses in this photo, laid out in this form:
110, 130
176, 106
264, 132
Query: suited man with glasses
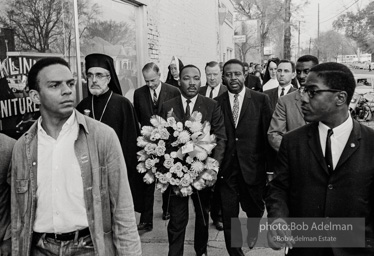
325, 168
106, 104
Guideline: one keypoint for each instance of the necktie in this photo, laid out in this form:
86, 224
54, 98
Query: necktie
328, 154
187, 114
282, 93
154, 98
235, 109
211, 93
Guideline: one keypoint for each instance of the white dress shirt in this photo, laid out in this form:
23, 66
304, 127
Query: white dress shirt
192, 103
339, 138
240, 98
286, 89
158, 90
60, 201
215, 91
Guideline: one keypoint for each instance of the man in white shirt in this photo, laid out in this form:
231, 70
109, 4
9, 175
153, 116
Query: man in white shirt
214, 86
148, 100
242, 177
182, 108
325, 169
285, 73
70, 190
287, 115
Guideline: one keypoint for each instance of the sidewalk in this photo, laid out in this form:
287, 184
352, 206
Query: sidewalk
155, 243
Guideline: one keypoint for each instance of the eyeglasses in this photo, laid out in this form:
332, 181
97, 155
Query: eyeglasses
311, 93
99, 76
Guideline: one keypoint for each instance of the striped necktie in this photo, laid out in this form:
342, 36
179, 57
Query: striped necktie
235, 109
154, 98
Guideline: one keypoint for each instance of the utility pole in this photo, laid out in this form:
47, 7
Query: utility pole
287, 31
298, 43
318, 35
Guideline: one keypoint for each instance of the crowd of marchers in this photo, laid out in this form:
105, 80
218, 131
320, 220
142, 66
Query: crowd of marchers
285, 141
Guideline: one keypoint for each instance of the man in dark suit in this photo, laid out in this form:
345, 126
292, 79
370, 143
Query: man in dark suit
287, 115
326, 168
214, 86
242, 177
182, 108
147, 102
285, 74
213, 89
251, 81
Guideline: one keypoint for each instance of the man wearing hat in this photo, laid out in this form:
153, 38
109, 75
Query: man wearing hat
107, 105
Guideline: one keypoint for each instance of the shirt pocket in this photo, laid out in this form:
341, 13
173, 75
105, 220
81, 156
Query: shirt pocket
22, 195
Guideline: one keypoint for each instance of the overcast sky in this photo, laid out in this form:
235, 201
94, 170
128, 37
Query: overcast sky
329, 11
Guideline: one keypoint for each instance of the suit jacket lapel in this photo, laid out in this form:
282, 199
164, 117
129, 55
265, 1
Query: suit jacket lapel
178, 110
148, 100
298, 104
161, 97
227, 108
199, 106
352, 145
246, 100
315, 146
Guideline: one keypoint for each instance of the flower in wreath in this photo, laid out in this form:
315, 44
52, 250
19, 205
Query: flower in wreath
142, 155
141, 142
168, 162
150, 148
197, 166
196, 127
164, 134
146, 131
160, 150
171, 121
184, 137
141, 167
149, 178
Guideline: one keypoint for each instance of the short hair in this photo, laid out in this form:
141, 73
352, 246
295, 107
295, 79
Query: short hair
289, 61
188, 66
32, 77
336, 76
234, 61
258, 65
245, 64
306, 58
211, 64
151, 66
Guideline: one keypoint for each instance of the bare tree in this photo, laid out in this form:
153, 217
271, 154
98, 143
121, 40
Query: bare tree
39, 24
266, 11
251, 40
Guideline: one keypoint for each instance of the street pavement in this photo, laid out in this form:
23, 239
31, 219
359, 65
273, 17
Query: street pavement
155, 242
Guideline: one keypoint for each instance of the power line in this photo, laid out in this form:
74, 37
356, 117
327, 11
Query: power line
340, 12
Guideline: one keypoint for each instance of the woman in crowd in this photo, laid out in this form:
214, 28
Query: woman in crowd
270, 78
173, 75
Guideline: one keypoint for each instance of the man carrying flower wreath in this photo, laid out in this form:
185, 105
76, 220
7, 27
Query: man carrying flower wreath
183, 108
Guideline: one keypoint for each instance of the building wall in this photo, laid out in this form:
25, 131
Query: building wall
187, 29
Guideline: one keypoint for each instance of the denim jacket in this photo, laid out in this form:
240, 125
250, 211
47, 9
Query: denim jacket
107, 196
